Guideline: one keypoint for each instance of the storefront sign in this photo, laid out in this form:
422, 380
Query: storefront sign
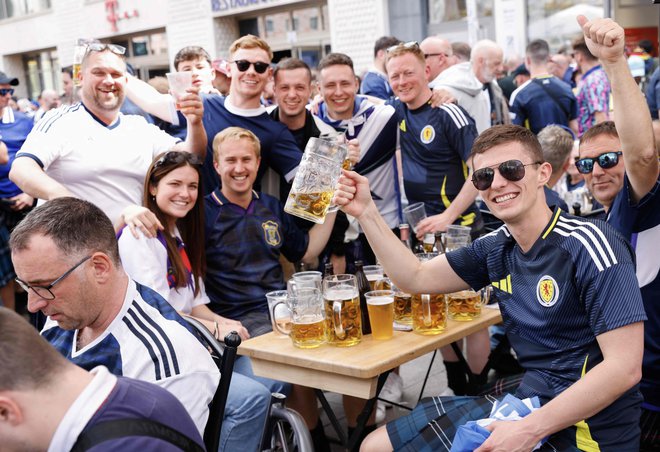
114, 14
227, 7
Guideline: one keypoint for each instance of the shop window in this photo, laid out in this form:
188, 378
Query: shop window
314, 23
16, 8
451, 10
270, 26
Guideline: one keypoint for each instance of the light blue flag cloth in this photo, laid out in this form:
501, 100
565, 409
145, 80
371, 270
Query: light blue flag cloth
472, 435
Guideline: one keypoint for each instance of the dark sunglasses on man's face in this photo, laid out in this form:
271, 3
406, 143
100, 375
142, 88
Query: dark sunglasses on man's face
259, 66
513, 170
5, 91
605, 160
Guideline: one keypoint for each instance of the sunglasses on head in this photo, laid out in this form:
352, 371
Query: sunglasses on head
100, 47
605, 160
5, 91
403, 45
177, 157
513, 170
259, 66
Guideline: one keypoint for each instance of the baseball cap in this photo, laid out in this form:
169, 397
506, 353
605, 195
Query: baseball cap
636, 65
520, 70
222, 66
6, 80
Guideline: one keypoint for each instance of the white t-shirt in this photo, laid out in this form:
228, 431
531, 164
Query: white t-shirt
103, 164
145, 261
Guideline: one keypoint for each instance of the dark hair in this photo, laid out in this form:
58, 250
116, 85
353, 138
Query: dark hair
191, 53
646, 45
28, 360
385, 42
538, 51
191, 226
68, 70
288, 64
580, 45
602, 128
77, 227
333, 59
508, 133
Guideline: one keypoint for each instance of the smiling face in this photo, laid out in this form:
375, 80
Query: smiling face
176, 192
292, 91
407, 75
202, 73
103, 82
249, 85
604, 184
338, 86
236, 163
513, 201
41, 263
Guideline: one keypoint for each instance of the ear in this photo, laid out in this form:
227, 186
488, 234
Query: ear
10, 412
545, 172
102, 267
153, 191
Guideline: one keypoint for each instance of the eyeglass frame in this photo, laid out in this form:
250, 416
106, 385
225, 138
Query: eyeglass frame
497, 166
25, 286
9, 91
596, 159
251, 63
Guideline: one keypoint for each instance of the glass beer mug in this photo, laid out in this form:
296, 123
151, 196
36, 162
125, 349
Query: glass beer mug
342, 310
317, 175
307, 318
429, 311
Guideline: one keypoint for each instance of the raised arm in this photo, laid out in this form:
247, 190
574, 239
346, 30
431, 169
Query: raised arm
30, 178
436, 276
192, 108
605, 39
318, 238
147, 98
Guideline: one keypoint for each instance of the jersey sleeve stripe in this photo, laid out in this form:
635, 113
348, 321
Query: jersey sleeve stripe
587, 246
45, 124
457, 120
147, 345
459, 113
603, 255
163, 336
598, 232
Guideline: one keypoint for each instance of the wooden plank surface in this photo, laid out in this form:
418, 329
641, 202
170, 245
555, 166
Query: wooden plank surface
366, 360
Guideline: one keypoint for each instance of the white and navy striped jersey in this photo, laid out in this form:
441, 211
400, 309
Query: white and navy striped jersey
148, 341
575, 283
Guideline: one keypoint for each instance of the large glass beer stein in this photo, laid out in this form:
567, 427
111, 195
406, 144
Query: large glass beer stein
315, 179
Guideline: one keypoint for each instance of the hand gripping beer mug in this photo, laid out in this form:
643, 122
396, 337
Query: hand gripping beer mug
429, 311
307, 318
381, 313
315, 179
342, 310
465, 306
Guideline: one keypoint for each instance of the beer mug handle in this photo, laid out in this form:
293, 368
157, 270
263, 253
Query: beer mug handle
426, 309
336, 320
272, 313
485, 294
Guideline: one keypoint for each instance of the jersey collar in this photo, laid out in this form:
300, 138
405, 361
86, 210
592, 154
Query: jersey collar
114, 124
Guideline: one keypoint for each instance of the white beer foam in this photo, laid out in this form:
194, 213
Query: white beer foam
376, 301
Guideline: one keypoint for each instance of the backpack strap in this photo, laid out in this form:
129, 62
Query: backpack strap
120, 428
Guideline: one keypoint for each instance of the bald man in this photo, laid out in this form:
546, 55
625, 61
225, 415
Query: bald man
438, 55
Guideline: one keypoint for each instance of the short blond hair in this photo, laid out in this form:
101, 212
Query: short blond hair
251, 42
235, 134
402, 49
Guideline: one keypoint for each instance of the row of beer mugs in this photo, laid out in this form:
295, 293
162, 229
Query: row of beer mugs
315, 310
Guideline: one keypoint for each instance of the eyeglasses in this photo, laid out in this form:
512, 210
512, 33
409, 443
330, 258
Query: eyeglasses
605, 160
100, 47
512, 170
177, 157
44, 291
5, 91
403, 45
259, 66
427, 55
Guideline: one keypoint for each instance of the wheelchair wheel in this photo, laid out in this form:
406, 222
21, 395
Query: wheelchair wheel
287, 432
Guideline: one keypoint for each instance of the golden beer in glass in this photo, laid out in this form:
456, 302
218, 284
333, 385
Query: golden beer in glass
402, 308
464, 306
380, 304
429, 313
342, 310
308, 332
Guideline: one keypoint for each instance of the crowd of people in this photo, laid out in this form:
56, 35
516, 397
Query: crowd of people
124, 209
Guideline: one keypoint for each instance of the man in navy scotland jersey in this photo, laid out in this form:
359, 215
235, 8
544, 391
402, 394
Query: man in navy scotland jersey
250, 58
569, 300
628, 187
544, 99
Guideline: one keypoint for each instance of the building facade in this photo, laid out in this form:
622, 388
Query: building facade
37, 37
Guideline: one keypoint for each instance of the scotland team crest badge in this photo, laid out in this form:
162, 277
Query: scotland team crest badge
547, 291
271, 233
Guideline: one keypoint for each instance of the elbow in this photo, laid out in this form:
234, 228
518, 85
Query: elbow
14, 175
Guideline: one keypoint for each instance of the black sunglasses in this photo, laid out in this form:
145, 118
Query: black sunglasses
5, 91
403, 45
605, 160
177, 157
100, 47
427, 55
513, 170
44, 291
259, 66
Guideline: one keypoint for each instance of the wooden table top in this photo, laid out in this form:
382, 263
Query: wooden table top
276, 357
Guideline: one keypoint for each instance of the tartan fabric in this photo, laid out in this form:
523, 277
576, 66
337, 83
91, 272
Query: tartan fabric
650, 425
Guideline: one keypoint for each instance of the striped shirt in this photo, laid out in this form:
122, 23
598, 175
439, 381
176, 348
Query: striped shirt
575, 283
147, 341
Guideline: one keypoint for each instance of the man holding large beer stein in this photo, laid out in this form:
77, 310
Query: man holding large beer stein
573, 311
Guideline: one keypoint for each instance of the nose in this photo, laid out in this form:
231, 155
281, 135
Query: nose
598, 171
35, 303
498, 180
